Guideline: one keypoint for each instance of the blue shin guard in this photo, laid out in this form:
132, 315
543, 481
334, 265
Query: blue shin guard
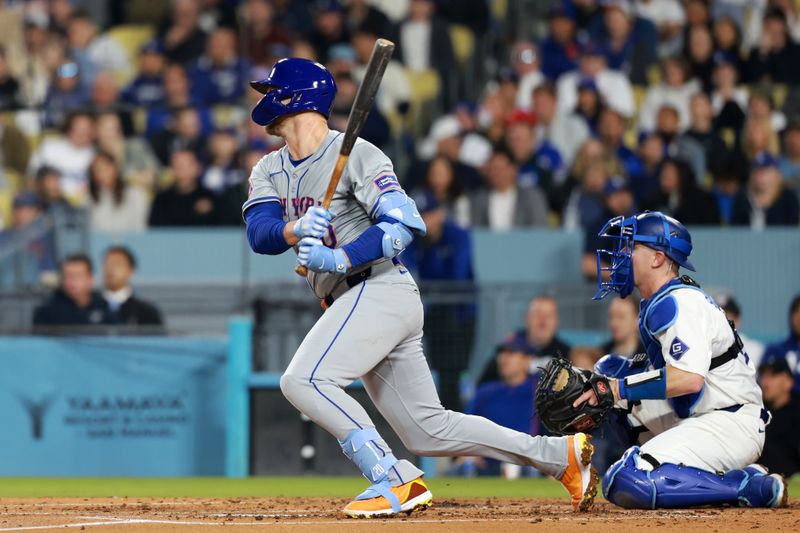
673, 486
373, 463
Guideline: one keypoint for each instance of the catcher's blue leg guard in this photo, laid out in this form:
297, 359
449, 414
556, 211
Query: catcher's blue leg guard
374, 465
673, 486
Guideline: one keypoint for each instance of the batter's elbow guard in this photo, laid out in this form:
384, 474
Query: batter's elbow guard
396, 238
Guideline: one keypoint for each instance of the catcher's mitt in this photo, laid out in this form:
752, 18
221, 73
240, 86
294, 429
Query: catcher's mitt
559, 386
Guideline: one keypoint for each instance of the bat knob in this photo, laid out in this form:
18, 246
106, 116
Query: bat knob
301, 271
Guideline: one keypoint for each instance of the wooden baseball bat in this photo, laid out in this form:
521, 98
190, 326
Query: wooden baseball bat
381, 54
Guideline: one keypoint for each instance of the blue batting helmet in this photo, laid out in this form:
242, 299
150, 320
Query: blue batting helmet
651, 228
306, 84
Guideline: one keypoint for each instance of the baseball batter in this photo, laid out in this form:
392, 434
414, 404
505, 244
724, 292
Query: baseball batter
372, 327
695, 391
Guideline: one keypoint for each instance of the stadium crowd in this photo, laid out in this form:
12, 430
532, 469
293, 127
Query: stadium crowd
136, 115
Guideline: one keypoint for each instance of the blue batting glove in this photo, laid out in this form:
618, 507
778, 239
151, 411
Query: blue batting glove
316, 256
313, 224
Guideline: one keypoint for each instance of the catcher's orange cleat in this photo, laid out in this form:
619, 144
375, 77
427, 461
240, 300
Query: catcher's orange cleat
413, 496
580, 478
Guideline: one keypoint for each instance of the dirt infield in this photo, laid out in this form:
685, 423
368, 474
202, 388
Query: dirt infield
318, 515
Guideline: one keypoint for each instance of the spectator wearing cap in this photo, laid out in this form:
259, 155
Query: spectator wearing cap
67, 93
753, 348
75, 302
70, 154
520, 138
781, 452
444, 254
559, 49
119, 266
789, 162
767, 201
525, 61
39, 246
261, 31
679, 196
505, 205
456, 136
507, 401
789, 348
651, 153
776, 57
675, 90
613, 86
563, 132
181, 35
329, 27
628, 42
186, 202
539, 336
220, 75
114, 206
617, 201
590, 104
147, 88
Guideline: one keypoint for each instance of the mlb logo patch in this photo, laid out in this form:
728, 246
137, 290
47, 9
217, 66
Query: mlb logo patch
677, 348
386, 181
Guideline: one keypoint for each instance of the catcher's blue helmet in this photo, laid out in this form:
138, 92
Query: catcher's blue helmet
307, 84
651, 228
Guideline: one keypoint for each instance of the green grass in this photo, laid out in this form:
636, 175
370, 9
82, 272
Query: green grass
333, 487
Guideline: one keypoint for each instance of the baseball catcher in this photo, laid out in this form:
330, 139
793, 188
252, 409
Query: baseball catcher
694, 392
372, 327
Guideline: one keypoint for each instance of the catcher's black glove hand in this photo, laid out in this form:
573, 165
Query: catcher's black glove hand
560, 385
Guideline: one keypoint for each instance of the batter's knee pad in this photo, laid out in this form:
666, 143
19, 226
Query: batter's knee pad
359, 446
634, 483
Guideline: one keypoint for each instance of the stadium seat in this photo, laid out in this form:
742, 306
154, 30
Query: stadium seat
463, 42
425, 88
131, 37
6, 199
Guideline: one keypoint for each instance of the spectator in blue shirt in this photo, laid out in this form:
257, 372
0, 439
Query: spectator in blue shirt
559, 50
507, 401
789, 348
627, 41
220, 76
445, 254
147, 88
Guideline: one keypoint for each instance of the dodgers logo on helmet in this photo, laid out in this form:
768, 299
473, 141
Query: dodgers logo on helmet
293, 85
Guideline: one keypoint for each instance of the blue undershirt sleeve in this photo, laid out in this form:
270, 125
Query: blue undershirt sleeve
265, 228
366, 248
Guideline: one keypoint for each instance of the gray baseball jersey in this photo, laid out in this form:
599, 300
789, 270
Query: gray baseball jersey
373, 330
368, 174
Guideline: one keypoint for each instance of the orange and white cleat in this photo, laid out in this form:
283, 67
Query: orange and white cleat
410, 497
580, 478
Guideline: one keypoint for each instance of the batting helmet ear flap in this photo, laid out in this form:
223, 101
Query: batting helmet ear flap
306, 84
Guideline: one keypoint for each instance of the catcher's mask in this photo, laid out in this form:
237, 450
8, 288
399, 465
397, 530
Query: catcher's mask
651, 228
